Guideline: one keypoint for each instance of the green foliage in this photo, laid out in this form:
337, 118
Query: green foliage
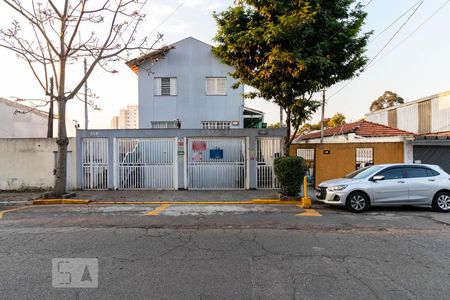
274, 125
290, 171
337, 120
388, 99
288, 50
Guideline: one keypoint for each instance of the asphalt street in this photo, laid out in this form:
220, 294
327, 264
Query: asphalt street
227, 252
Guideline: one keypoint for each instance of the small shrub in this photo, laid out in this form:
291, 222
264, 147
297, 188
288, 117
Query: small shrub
290, 171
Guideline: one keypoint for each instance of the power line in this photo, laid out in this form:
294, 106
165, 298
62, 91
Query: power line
395, 34
414, 31
395, 21
381, 50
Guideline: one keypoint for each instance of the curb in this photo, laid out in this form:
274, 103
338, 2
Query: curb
80, 201
59, 201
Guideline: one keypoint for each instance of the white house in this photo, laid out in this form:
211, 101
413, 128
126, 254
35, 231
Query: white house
185, 85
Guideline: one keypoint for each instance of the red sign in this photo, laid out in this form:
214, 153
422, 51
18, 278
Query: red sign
199, 146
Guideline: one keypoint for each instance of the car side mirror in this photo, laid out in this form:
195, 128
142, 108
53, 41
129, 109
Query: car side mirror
377, 178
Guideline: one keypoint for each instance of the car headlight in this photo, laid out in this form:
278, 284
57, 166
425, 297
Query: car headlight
336, 188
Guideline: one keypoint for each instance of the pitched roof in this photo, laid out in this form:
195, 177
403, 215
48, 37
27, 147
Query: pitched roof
27, 109
362, 128
444, 135
156, 54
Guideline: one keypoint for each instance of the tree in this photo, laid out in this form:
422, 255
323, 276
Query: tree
337, 120
56, 35
388, 99
289, 50
274, 125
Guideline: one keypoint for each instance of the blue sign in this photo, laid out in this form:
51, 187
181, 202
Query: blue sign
216, 153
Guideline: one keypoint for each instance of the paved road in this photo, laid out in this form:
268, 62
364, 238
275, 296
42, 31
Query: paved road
228, 251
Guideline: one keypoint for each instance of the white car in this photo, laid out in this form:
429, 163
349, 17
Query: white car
389, 184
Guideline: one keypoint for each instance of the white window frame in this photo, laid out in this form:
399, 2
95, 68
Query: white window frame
215, 86
172, 86
164, 124
216, 124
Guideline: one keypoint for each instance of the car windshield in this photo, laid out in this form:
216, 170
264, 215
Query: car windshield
363, 173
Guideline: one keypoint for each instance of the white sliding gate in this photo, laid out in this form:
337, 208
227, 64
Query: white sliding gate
95, 164
216, 163
145, 163
267, 150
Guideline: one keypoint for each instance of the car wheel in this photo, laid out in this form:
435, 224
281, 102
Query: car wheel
441, 202
357, 202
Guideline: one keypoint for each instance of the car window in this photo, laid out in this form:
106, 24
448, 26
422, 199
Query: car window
363, 173
416, 172
393, 173
431, 173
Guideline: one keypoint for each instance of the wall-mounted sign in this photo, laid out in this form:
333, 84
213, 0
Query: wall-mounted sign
216, 153
180, 152
180, 142
263, 132
235, 123
326, 151
199, 146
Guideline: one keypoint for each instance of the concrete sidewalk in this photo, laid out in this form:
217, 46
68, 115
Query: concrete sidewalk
185, 196
18, 198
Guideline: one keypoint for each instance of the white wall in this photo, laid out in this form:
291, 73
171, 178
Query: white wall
21, 125
28, 163
440, 108
380, 117
408, 118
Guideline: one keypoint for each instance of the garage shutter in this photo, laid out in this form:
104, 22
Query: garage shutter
434, 155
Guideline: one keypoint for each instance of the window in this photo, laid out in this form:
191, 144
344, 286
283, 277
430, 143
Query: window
165, 86
216, 124
417, 172
164, 124
216, 86
364, 157
393, 173
306, 154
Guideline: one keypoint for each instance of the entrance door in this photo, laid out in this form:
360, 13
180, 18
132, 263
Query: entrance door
216, 163
145, 164
95, 164
267, 149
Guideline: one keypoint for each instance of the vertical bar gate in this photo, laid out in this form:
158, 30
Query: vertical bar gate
95, 164
145, 164
267, 150
216, 163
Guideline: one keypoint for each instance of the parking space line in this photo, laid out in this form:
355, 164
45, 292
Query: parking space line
158, 210
12, 209
309, 212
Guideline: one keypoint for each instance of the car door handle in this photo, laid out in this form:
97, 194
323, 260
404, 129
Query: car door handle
431, 179
400, 181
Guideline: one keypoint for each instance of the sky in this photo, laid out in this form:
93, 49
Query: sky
418, 67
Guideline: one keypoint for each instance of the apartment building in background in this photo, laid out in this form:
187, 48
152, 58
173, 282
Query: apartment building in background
127, 118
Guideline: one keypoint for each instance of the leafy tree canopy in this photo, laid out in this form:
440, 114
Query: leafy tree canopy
388, 99
288, 50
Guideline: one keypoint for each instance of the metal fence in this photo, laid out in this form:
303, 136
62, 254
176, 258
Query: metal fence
95, 164
145, 163
267, 149
216, 163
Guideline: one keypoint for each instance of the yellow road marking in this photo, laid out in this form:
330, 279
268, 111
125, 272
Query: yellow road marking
309, 212
10, 210
158, 210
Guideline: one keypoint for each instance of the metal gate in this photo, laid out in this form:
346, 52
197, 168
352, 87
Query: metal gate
145, 164
216, 163
267, 150
95, 164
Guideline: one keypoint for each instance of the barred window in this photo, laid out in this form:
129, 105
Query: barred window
164, 124
364, 157
216, 124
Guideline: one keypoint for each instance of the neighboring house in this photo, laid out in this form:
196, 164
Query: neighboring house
127, 119
423, 116
253, 118
186, 85
351, 146
430, 118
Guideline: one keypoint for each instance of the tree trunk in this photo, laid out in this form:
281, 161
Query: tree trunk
287, 139
62, 141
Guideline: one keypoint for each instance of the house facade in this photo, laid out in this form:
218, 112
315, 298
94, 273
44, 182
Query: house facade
429, 117
185, 85
350, 147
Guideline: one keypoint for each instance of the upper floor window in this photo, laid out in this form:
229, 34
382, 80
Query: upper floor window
164, 124
165, 86
216, 124
216, 86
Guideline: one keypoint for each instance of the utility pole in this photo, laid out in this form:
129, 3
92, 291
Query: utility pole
322, 117
50, 112
85, 98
